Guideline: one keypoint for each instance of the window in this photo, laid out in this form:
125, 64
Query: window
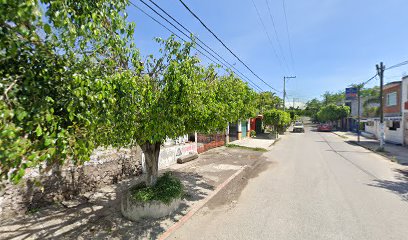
394, 125
392, 99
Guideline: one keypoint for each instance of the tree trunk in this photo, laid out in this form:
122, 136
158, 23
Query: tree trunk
151, 152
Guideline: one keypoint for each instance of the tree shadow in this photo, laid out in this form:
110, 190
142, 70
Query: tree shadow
399, 187
100, 217
264, 136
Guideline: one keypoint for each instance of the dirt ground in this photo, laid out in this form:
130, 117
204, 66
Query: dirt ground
98, 216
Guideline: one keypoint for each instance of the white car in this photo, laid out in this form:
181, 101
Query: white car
298, 127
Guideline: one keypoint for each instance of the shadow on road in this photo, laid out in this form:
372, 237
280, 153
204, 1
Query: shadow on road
399, 187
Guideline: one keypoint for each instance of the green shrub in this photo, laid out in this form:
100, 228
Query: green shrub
165, 190
253, 133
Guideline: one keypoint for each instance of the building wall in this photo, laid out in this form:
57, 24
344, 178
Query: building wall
404, 93
405, 124
392, 110
391, 136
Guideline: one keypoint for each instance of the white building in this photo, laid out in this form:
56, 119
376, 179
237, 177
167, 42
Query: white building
404, 107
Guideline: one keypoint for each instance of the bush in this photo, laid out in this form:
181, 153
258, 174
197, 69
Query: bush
165, 190
253, 133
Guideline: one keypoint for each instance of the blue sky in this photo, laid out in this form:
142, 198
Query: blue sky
335, 42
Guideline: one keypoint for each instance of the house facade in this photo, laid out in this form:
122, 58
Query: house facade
404, 107
393, 118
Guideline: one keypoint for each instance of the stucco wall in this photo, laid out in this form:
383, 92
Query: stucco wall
393, 136
169, 154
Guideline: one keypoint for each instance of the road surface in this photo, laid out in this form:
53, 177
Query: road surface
316, 187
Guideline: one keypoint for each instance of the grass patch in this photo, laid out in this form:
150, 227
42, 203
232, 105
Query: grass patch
166, 189
247, 148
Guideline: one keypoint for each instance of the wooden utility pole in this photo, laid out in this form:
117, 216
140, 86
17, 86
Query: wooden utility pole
358, 112
380, 71
284, 90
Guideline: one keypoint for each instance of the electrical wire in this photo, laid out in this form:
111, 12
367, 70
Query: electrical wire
287, 31
398, 65
274, 29
219, 40
270, 40
249, 81
199, 40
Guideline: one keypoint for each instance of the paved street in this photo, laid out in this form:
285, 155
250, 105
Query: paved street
316, 187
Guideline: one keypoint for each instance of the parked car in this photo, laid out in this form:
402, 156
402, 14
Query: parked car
298, 127
324, 128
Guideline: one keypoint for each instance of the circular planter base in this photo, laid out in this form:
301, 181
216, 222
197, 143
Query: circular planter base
134, 210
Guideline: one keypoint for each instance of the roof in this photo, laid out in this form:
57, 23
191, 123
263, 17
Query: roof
392, 84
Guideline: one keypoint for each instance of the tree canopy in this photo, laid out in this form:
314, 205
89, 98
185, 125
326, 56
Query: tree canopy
333, 112
278, 119
72, 80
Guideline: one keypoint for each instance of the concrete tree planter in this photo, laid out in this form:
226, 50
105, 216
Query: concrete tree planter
136, 210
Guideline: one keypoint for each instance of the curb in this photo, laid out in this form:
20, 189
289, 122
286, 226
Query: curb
342, 136
379, 153
200, 204
372, 150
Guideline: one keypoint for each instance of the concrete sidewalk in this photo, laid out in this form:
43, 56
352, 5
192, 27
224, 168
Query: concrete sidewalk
262, 141
99, 216
394, 152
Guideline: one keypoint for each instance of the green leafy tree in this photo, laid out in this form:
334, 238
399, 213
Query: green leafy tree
278, 119
175, 95
59, 62
312, 108
333, 98
268, 100
333, 112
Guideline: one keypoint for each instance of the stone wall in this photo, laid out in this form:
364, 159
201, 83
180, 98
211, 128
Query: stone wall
106, 167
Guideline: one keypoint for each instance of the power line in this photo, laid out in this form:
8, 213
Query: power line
398, 65
287, 31
364, 83
274, 29
269, 38
154, 19
198, 39
208, 29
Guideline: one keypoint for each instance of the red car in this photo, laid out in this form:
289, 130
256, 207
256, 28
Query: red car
324, 128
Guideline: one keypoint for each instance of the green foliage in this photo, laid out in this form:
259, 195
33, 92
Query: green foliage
279, 119
333, 112
253, 133
266, 101
56, 78
312, 108
72, 80
166, 189
333, 98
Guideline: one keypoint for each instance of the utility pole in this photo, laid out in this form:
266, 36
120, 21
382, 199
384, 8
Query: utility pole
284, 90
380, 71
358, 112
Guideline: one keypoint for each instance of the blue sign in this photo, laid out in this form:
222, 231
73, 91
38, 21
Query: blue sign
351, 93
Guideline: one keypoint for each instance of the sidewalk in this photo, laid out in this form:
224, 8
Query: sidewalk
394, 152
99, 217
262, 141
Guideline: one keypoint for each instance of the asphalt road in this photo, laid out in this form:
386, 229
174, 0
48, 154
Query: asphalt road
316, 187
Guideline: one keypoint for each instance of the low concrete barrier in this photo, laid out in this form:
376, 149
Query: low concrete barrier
187, 158
134, 210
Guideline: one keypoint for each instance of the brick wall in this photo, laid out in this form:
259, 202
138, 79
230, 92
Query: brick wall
396, 109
